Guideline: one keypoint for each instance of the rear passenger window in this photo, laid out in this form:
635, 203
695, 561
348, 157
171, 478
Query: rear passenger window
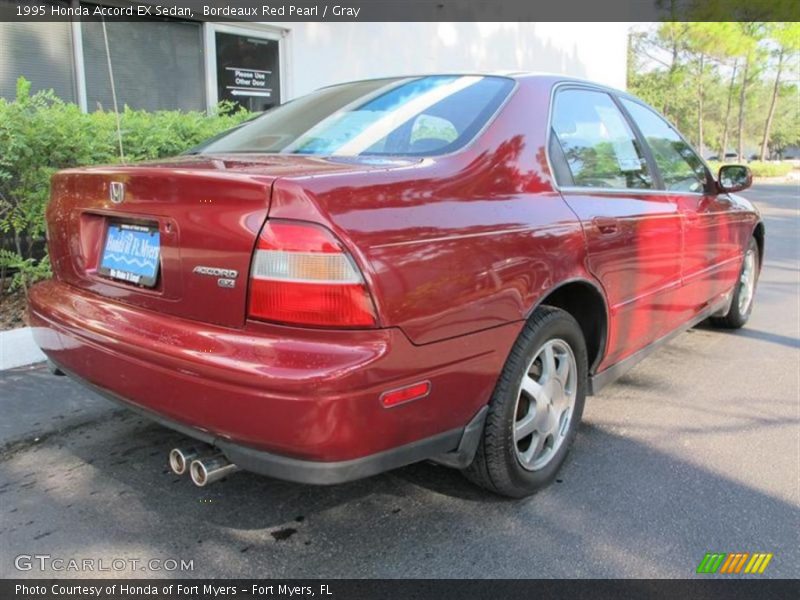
599, 146
680, 167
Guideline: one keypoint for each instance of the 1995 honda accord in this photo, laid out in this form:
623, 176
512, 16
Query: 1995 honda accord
388, 271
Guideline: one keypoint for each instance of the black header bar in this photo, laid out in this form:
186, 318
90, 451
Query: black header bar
404, 10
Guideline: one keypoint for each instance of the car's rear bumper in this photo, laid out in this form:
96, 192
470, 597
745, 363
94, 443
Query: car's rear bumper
294, 403
453, 448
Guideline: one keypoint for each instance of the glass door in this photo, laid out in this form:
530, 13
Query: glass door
248, 70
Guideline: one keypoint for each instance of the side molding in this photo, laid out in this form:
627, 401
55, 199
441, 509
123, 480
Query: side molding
600, 380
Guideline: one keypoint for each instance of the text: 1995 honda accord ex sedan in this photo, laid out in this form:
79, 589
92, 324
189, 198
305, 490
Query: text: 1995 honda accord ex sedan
388, 271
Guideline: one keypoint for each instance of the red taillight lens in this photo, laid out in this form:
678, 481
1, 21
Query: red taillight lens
301, 274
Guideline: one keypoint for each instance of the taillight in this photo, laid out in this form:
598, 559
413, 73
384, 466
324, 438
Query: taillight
301, 274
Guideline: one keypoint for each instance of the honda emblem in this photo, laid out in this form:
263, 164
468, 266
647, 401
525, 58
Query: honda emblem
116, 192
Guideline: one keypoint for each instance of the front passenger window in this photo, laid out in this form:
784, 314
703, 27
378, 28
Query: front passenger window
599, 146
681, 169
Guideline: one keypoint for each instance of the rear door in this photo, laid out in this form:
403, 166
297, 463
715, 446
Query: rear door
712, 249
633, 229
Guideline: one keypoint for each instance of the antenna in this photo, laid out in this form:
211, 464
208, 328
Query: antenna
113, 89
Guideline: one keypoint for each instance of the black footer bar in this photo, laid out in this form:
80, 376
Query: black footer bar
389, 589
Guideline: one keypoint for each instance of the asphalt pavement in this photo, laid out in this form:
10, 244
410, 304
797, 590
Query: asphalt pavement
696, 450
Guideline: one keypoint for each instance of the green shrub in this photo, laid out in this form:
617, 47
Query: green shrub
25, 271
759, 168
769, 169
40, 134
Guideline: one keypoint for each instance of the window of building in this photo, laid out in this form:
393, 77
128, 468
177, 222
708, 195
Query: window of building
599, 146
681, 169
42, 53
157, 64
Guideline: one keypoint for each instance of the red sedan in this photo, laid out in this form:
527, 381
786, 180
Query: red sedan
387, 271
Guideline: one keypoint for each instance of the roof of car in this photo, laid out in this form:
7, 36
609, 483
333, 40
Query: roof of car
550, 79
512, 74
555, 77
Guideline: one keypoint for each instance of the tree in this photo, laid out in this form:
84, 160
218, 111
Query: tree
673, 38
751, 35
785, 129
786, 38
700, 74
726, 121
704, 42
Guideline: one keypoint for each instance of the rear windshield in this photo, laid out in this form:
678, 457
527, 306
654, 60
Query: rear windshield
419, 116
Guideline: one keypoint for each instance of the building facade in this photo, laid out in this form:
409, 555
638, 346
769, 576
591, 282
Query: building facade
192, 65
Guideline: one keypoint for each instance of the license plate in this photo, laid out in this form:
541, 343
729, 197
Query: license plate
132, 253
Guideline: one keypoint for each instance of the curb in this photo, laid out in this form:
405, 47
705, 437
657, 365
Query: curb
17, 349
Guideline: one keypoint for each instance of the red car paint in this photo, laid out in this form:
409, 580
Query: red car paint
456, 252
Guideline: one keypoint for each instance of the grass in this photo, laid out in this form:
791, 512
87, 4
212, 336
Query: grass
760, 168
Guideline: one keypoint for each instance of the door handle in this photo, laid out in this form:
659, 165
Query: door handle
606, 225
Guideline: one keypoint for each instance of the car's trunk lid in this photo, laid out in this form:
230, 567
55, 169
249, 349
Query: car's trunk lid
207, 213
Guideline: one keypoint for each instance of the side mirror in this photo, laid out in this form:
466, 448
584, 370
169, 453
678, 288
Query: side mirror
734, 178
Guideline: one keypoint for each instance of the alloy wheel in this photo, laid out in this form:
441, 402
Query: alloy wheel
747, 281
545, 403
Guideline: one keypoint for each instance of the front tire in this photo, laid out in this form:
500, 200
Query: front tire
743, 293
536, 407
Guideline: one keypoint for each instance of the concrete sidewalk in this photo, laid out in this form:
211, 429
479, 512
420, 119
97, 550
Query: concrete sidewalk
18, 349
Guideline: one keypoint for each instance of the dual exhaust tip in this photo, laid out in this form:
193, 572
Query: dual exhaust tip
203, 465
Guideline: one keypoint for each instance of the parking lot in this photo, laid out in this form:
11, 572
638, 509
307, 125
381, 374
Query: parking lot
696, 450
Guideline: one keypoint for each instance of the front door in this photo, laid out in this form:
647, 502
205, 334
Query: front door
633, 230
712, 250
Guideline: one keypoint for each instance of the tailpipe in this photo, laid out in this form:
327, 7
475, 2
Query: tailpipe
181, 458
208, 470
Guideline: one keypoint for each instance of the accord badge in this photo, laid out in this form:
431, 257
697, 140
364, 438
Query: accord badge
226, 278
216, 272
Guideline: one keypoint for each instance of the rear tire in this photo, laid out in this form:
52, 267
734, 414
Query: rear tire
743, 293
535, 409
